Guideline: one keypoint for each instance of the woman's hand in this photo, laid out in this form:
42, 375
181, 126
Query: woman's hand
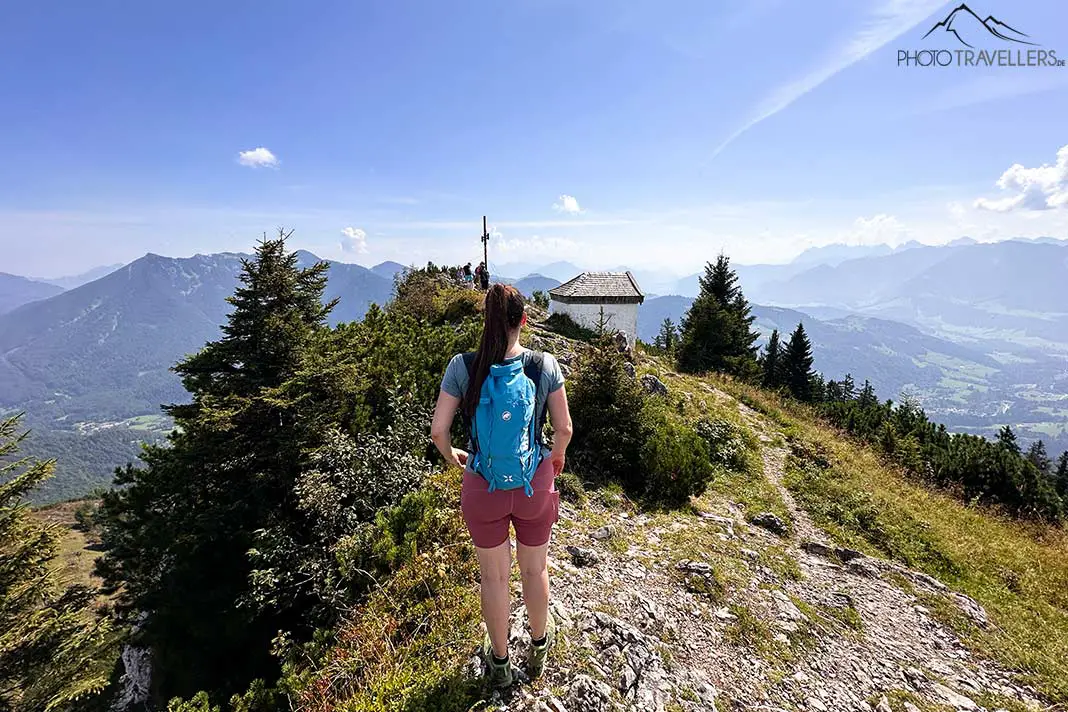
459, 458
557, 459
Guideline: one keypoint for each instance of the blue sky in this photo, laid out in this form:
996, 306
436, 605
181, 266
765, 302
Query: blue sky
649, 133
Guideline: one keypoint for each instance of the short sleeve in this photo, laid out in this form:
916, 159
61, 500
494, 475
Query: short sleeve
455, 381
552, 378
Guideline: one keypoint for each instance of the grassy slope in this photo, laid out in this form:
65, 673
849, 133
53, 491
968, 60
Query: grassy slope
76, 555
1017, 570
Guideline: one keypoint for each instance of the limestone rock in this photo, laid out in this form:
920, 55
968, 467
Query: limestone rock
975, 612
588, 695
653, 385
584, 557
846, 555
817, 549
772, 522
602, 533
953, 699
863, 567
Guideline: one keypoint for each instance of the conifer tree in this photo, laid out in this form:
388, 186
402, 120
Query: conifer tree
1061, 476
867, 398
771, 362
716, 332
849, 389
1007, 440
53, 649
667, 337
1036, 454
177, 531
797, 365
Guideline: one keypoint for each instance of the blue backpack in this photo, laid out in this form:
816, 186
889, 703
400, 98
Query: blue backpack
506, 432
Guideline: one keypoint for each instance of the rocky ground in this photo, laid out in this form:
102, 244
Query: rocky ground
713, 610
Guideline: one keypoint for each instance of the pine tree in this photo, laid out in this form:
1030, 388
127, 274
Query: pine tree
867, 398
716, 332
1061, 476
849, 389
177, 532
1007, 440
797, 365
771, 363
1036, 454
667, 337
53, 649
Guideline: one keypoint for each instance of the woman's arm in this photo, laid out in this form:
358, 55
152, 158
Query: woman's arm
440, 428
560, 417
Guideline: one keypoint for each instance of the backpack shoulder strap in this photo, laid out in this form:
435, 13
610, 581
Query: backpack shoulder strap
533, 369
469, 363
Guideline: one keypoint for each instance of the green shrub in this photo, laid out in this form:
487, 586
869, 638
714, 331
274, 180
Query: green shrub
571, 488
462, 304
677, 461
611, 425
564, 325
435, 297
349, 483
540, 299
726, 444
85, 516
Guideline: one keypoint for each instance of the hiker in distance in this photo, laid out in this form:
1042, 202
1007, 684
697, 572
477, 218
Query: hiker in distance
503, 392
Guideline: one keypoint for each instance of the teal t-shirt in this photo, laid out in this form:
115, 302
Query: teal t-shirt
552, 379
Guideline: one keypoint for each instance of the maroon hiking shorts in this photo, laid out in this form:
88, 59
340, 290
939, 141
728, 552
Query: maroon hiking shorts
487, 514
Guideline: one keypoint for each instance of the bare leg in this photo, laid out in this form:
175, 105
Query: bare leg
496, 565
535, 573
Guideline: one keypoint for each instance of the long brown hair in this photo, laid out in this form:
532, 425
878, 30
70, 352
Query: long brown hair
503, 313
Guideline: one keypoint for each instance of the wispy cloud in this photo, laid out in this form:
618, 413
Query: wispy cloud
567, 204
258, 158
1041, 188
889, 20
988, 88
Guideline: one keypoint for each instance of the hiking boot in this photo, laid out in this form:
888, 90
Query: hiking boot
538, 653
499, 674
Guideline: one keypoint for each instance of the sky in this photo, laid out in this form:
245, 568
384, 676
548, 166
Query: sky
651, 133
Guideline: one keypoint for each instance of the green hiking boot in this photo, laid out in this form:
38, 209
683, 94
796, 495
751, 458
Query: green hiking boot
538, 653
499, 674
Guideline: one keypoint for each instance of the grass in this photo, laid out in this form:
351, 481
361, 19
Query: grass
77, 550
1017, 570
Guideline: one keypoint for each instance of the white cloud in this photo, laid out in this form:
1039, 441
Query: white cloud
877, 230
258, 158
1041, 188
533, 246
567, 204
889, 20
353, 239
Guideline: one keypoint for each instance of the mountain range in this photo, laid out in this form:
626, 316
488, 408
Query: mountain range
972, 330
16, 291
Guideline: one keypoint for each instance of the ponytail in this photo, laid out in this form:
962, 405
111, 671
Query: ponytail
503, 313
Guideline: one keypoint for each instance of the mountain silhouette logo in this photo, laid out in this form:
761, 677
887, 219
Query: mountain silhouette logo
965, 25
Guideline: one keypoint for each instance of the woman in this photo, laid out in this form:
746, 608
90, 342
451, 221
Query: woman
487, 511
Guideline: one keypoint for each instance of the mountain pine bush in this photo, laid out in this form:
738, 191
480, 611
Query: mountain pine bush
611, 424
